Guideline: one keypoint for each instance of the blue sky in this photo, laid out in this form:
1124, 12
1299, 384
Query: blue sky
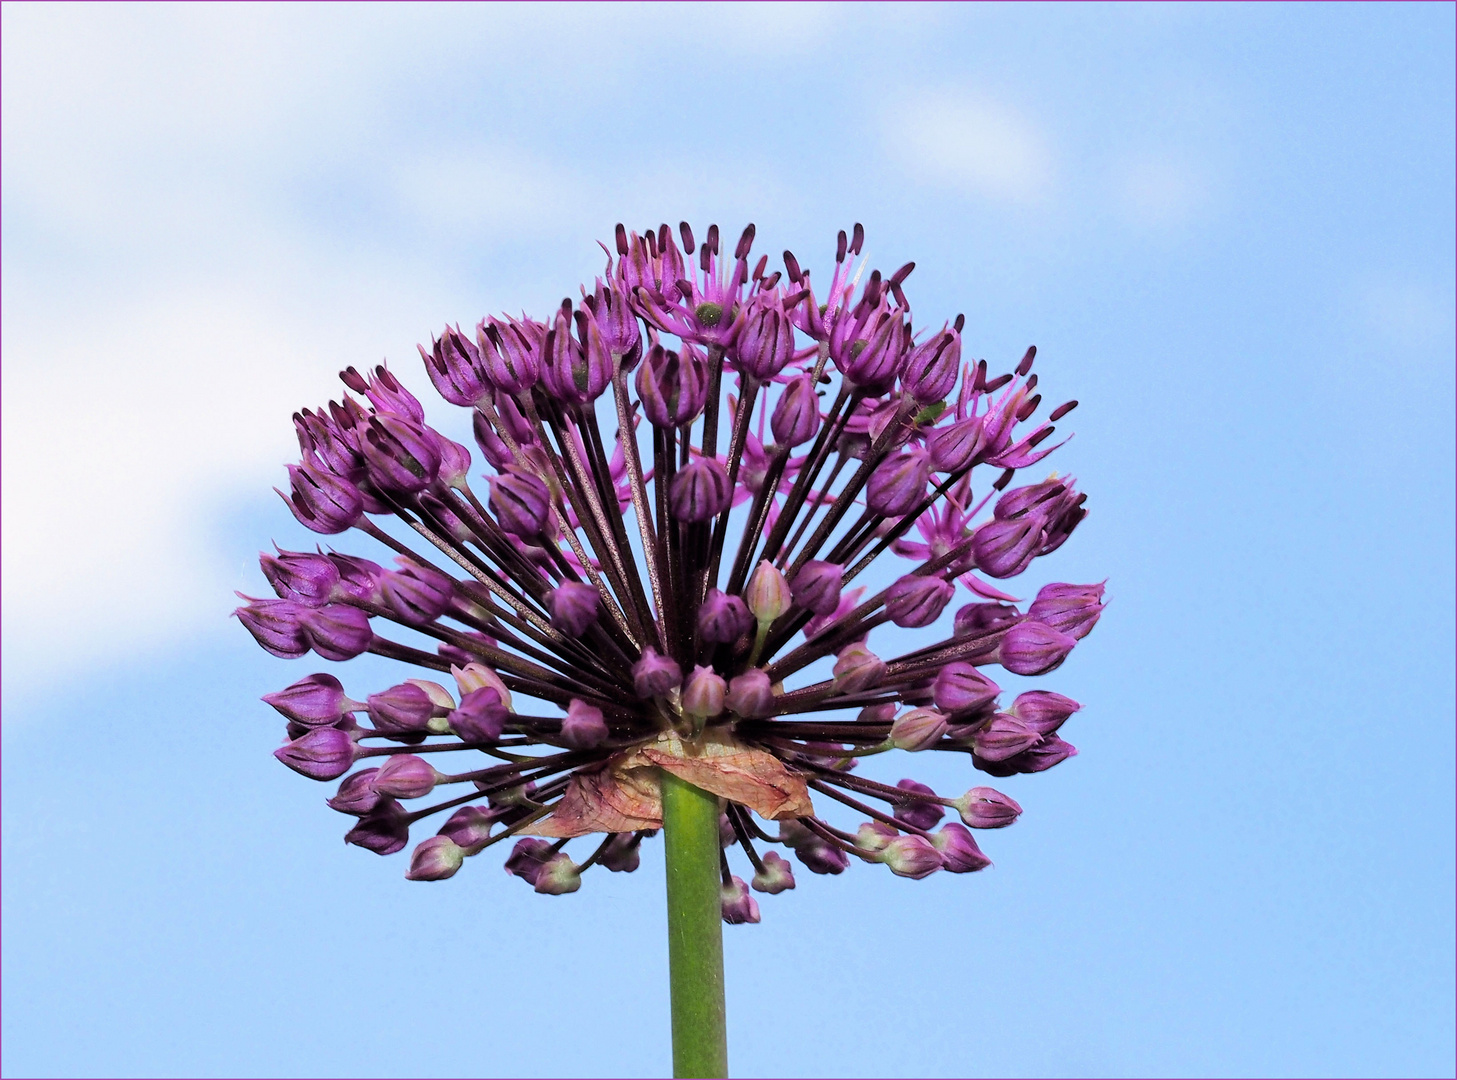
1228, 229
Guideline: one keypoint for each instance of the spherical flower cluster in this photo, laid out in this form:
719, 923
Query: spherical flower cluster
604, 614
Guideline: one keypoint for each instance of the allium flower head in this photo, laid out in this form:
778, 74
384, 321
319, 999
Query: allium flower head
601, 600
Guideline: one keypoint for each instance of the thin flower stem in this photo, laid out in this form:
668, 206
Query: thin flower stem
695, 930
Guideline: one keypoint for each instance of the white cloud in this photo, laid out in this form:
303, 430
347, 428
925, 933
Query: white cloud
975, 144
1158, 190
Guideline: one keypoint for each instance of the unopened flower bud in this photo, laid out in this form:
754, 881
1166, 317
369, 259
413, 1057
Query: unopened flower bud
558, 875
417, 594
672, 386
401, 456
817, 586
737, 905
573, 607
976, 620
875, 364
874, 836
470, 827
454, 366
917, 729
723, 618
475, 676
1073, 609
520, 501
776, 876
1031, 648
796, 417
655, 675
765, 343
918, 600
480, 717
883, 713
1003, 737
337, 631
751, 695
1004, 549
315, 701
767, 594
435, 859
527, 857
931, 368
1042, 710
511, 353
356, 794
700, 490
276, 625
321, 500
405, 776
359, 579
621, 855
703, 694
961, 688
400, 709
919, 813
987, 808
958, 849
899, 485
958, 445
575, 370
1049, 752
300, 576
384, 830
321, 754
911, 857
583, 727
857, 668
818, 855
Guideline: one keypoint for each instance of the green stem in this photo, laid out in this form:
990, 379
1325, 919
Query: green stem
695, 930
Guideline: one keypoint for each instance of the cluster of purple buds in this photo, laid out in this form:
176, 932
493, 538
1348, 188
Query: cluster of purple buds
692, 595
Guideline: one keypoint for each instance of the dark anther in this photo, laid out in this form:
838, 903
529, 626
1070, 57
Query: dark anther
840, 246
1029, 407
903, 273
859, 239
791, 264
1026, 364
746, 241
1002, 481
959, 323
687, 234
712, 242
1063, 409
621, 239
1041, 436
997, 383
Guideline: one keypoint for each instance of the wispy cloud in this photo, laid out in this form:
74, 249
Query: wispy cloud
972, 143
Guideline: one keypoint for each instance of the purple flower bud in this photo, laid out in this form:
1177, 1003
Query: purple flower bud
917, 729
1039, 499
470, 827
359, 579
959, 851
405, 776
751, 695
737, 905
976, 620
384, 830
573, 607
655, 675
454, 366
276, 625
337, 631
480, 717
435, 859
558, 875
511, 353
912, 857
796, 418
723, 618
322, 501
617, 324
987, 808
961, 688
857, 668
385, 392
527, 857
765, 343
919, 813
417, 594
454, 463
767, 594
673, 386
703, 693
776, 877
958, 445
356, 794
322, 754
575, 371
583, 727
1049, 752
621, 855
400, 456
1042, 710
1004, 549
818, 855
918, 600
874, 365
521, 502
699, 491
300, 576
817, 586
1003, 737
883, 713
899, 485
1073, 609
1031, 648
315, 701
400, 709
931, 368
